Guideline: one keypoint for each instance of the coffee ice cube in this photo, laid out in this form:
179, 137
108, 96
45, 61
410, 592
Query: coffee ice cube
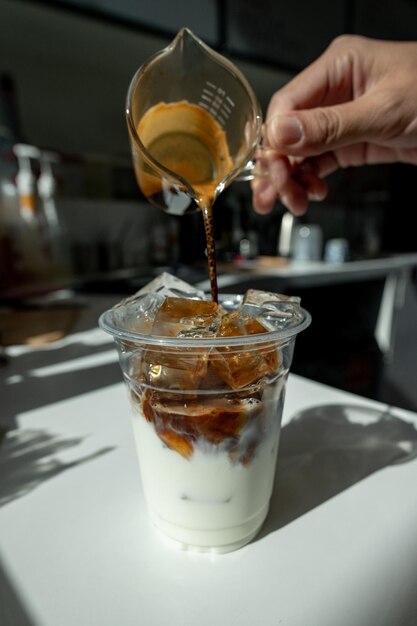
171, 367
183, 425
169, 285
267, 299
274, 310
137, 313
174, 369
239, 367
182, 317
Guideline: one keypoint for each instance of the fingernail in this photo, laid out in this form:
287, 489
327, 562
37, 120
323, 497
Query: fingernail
286, 130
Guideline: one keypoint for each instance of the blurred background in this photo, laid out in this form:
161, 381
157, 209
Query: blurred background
72, 216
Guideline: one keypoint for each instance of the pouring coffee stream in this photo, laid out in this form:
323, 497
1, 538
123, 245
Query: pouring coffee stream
184, 138
194, 125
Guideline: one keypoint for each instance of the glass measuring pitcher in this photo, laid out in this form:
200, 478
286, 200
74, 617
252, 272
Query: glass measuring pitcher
194, 125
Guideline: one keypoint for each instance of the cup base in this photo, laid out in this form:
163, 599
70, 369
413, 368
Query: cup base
211, 541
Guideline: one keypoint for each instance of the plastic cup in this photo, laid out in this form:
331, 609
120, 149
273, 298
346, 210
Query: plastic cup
206, 421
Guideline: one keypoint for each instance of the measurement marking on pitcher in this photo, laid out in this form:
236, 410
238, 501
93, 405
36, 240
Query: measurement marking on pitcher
215, 100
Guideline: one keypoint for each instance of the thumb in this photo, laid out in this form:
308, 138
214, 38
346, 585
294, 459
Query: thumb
310, 132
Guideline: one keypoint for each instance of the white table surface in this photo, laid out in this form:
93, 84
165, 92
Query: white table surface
339, 547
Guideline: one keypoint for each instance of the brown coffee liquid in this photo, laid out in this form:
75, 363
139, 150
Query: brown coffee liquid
189, 142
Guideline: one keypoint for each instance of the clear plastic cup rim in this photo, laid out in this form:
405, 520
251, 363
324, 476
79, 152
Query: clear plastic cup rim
108, 324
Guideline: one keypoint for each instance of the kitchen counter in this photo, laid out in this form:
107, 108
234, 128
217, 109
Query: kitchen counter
293, 274
77, 547
281, 273
367, 292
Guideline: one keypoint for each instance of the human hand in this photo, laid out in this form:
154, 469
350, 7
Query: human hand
355, 105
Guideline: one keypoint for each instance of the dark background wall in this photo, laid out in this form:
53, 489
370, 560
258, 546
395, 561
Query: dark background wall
71, 62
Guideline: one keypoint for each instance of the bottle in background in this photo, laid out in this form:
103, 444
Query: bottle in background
11, 270
32, 243
54, 236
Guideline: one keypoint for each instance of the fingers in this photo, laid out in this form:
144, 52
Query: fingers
311, 132
264, 196
289, 183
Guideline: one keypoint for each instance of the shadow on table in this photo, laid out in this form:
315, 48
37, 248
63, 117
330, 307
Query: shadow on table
28, 458
12, 609
328, 448
22, 390
35, 378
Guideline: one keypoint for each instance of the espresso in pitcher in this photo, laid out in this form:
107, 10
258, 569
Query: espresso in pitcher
186, 140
